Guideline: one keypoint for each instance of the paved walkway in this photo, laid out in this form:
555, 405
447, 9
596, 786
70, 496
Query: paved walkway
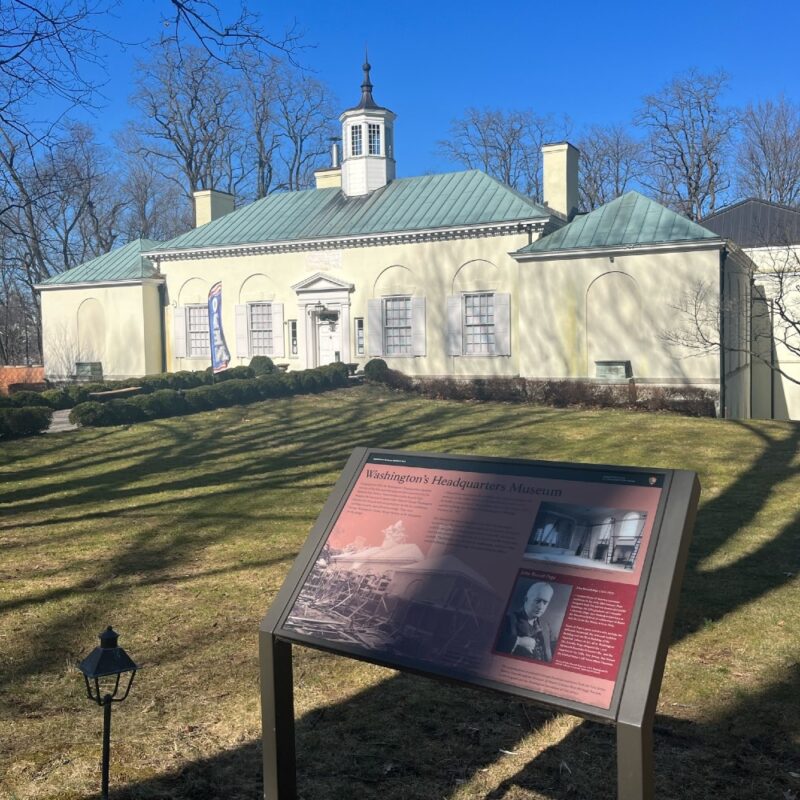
60, 422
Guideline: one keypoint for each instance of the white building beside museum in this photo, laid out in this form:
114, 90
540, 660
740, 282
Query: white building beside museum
441, 275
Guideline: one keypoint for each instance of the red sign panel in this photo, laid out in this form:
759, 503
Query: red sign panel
517, 576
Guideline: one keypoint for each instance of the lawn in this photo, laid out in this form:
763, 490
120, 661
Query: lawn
179, 533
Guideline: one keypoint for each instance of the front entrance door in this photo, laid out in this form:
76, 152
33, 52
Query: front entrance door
329, 339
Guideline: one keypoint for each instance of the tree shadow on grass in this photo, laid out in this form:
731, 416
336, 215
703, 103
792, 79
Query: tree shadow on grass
410, 738
306, 447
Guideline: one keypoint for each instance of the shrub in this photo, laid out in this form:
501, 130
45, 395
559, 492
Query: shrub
90, 413
234, 374
169, 402
236, 392
26, 421
79, 392
23, 399
309, 382
261, 365
375, 370
123, 412
201, 398
145, 403
6, 402
58, 398
269, 386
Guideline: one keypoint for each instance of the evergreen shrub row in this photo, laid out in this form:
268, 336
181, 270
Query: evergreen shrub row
689, 400
161, 403
74, 393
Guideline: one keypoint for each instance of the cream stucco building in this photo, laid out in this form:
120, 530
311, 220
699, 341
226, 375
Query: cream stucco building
453, 274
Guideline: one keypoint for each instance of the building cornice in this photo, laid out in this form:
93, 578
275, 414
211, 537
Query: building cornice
43, 287
620, 250
346, 242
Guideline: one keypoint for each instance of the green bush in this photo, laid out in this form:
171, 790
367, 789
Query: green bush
7, 402
202, 398
90, 413
309, 382
269, 386
234, 374
26, 421
23, 399
58, 398
375, 370
261, 365
236, 392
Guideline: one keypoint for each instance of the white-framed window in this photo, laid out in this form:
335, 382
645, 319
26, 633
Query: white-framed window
479, 324
259, 328
359, 336
374, 138
478, 319
395, 326
356, 143
198, 344
292, 337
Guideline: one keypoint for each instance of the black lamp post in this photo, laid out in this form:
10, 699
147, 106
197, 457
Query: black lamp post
102, 670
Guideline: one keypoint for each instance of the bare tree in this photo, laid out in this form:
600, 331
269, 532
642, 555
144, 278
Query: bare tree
768, 158
45, 50
505, 144
755, 319
304, 123
191, 122
690, 134
223, 33
611, 162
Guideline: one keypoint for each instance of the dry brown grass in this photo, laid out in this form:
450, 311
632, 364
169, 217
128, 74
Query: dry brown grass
180, 532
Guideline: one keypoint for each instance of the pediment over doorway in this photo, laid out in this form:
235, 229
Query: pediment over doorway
320, 282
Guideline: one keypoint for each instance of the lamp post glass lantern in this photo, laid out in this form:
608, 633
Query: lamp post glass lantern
103, 670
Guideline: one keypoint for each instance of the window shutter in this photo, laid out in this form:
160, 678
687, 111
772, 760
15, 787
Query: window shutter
278, 346
502, 325
454, 335
418, 326
375, 327
179, 332
242, 344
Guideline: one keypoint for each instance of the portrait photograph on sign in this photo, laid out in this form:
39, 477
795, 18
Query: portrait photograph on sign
521, 577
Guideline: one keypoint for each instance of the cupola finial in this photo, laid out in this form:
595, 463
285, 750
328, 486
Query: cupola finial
367, 100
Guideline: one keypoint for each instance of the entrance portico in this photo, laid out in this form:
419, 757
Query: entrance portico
323, 305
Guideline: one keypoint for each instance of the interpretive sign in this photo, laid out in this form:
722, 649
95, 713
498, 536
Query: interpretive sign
531, 578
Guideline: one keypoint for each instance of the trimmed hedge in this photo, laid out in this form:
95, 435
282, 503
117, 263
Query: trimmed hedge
261, 365
689, 400
376, 370
230, 392
24, 421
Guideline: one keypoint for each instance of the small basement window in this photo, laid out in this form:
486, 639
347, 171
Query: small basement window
89, 371
613, 370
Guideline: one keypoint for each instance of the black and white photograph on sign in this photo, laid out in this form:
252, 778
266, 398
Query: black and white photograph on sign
587, 536
394, 598
532, 623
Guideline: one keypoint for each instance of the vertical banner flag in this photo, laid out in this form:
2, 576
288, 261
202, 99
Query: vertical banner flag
220, 357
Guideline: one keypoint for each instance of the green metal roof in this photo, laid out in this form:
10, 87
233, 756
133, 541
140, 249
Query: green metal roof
408, 204
627, 221
125, 263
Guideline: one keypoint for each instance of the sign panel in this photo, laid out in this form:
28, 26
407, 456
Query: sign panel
521, 576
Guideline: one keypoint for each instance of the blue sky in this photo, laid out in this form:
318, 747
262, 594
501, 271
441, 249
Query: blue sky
590, 61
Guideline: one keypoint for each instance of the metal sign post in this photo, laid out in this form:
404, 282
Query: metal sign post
544, 556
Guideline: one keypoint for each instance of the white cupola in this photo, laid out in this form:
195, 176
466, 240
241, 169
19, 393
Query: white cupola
367, 144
